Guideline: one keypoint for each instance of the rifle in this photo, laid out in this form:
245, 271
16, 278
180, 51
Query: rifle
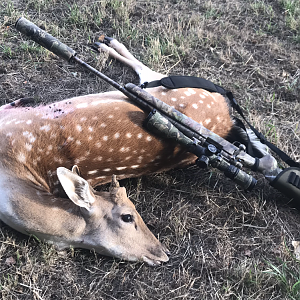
167, 122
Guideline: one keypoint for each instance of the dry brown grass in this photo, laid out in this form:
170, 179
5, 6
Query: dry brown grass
220, 237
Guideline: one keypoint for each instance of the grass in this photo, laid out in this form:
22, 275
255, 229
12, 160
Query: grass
287, 277
292, 16
225, 243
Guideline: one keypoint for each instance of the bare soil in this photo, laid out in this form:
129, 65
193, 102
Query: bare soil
222, 239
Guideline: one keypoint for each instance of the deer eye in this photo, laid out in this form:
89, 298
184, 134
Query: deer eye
127, 218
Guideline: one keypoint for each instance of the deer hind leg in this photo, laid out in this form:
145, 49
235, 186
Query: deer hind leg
17, 103
121, 53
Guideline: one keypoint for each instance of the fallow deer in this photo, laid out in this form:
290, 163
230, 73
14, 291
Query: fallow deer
41, 190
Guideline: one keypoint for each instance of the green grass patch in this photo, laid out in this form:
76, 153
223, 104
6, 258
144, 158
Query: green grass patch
287, 276
292, 16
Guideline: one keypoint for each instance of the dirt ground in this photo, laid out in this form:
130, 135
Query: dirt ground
225, 243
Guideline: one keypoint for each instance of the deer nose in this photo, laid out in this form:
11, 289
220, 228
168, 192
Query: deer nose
159, 253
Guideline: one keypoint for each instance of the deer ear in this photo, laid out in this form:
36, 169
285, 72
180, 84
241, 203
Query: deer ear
77, 189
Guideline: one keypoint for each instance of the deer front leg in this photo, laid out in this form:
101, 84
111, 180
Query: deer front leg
121, 53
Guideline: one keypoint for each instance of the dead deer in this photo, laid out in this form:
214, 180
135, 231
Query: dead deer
41, 190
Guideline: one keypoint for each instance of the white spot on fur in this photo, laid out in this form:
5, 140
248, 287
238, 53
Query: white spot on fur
77, 160
218, 118
149, 138
213, 128
90, 129
174, 99
58, 159
8, 122
105, 138
82, 105
98, 158
201, 101
121, 168
83, 119
50, 147
30, 136
101, 177
117, 135
28, 147
139, 136
29, 122
207, 121
208, 106
70, 138
79, 128
103, 125
98, 144
78, 142
123, 149
195, 105
9, 134
202, 96
110, 116
191, 91
92, 172
187, 93
46, 127
128, 135
163, 93
90, 138
106, 170
21, 157
134, 167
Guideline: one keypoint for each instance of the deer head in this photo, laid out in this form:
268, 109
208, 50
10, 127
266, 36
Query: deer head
113, 226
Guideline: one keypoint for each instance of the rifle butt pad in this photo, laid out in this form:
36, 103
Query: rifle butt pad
288, 183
